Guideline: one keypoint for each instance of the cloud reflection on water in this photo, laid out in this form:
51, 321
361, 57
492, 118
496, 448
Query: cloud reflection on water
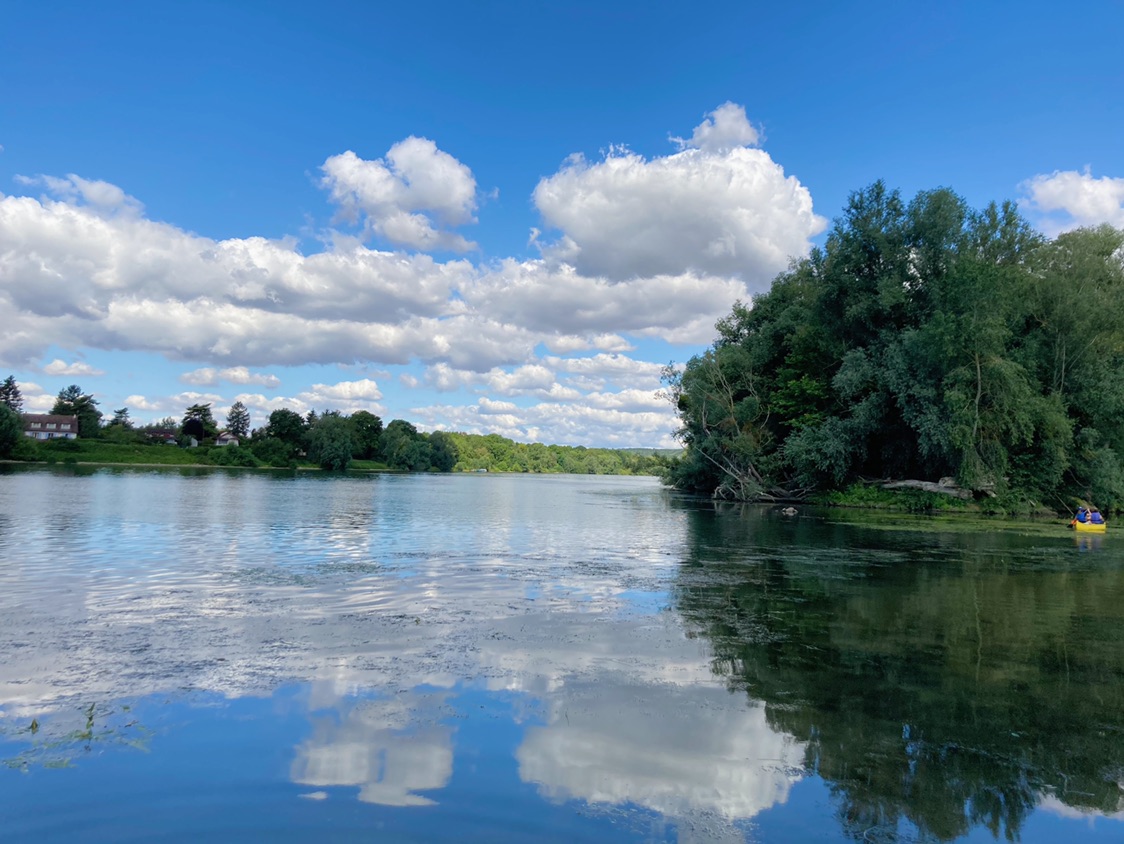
389, 747
386, 626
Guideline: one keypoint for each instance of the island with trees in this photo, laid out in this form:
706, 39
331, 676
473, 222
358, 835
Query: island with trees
925, 345
329, 440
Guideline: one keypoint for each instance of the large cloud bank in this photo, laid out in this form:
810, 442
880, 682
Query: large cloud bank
635, 248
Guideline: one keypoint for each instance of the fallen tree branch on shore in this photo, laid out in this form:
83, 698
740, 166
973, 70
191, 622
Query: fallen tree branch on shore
945, 486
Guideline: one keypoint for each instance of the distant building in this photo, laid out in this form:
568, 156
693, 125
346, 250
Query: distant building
47, 426
226, 438
169, 436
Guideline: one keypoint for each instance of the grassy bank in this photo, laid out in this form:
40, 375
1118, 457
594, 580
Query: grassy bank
872, 497
100, 451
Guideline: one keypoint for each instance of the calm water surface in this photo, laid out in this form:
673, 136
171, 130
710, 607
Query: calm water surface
221, 656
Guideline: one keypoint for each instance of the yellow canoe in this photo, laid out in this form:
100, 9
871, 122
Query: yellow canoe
1089, 527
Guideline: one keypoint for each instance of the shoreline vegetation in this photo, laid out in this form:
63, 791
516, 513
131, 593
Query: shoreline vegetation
329, 441
475, 453
925, 345
927, 358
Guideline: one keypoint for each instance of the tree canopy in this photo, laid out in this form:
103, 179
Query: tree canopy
238, 420
924, 340
199, 422
10, 395
71, 401
403, 447
330, 442
367, 431
11, 429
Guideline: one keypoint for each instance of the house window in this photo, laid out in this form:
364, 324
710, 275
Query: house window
51, 425
36, 425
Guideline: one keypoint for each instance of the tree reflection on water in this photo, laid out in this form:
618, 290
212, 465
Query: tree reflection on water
945, 680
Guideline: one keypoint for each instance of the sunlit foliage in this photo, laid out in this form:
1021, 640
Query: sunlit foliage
923, 340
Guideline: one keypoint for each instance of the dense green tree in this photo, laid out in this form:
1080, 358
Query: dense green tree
287, 426
238, 420
120, 429
233, 455
494, 453
366, 430
443, 452
10, 395
402, 447
71, 401
199, 422
11, 430
502, 453
923, 340
330, 442
272, 450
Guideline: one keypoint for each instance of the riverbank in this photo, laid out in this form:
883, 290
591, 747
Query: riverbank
873, 497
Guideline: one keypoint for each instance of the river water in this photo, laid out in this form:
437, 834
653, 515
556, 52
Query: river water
242, 656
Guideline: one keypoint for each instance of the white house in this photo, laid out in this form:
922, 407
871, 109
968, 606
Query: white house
47, 426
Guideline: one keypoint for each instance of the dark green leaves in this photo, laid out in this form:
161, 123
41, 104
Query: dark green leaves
923, 341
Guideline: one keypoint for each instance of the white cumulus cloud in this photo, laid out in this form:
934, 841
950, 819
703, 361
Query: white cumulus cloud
399, 197
35, 398
612, 420
723, 129
209, 377
558, 298
559, 379
363, 390
139, 402
61, 367
717, 207
1066, 199
103, 197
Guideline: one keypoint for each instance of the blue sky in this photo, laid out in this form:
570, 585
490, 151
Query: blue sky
489, 216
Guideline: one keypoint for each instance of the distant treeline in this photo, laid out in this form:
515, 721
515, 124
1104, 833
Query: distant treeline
494, 453
330, 440
923, 341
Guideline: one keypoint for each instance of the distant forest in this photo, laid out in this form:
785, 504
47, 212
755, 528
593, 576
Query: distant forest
925, 340
329, 440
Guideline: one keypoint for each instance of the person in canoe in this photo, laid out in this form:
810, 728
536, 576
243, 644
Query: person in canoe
1088, 519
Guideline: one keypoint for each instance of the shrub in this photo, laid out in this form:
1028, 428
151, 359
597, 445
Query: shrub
232, 455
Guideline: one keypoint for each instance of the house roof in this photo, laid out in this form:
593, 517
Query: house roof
49, 418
